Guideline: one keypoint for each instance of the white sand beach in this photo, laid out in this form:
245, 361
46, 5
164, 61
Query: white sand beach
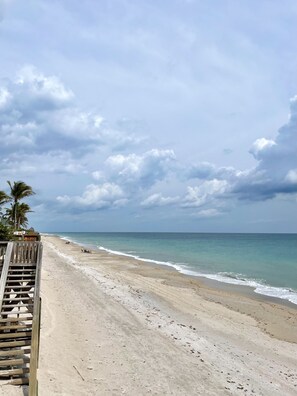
112, 325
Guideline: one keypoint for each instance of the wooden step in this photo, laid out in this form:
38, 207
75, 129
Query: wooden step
20, 276
14, 362
17, 299
23, 265
21, 271
17, 381
14, 320
19, 371
15, 327
18, 292
20, 280
15, 352
11, 344
16, 306
24, 287
21, 334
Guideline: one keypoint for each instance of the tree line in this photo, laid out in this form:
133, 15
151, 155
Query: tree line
14, 217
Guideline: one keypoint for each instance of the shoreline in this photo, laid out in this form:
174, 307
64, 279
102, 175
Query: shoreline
238, 298
246, 290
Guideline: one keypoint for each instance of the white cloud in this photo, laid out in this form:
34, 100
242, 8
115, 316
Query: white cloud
58, 161
260, 146
158, 200
42, 88
205, 193
206, 213
140, 171
4, 98
208, 171
38, 113
124, 177
291, 176
277, 158
98, 175
38, 116
96, 197
275, 172
18, 134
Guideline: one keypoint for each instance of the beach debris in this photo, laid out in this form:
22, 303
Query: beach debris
78, 373
67, 242
85, 250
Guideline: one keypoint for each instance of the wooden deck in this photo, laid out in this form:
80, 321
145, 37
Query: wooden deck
20, 305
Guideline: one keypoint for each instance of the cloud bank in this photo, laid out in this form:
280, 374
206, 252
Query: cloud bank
43, 131
275, 172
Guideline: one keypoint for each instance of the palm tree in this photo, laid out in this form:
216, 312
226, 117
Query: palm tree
18, 191
4, 197
21, 214
23, 209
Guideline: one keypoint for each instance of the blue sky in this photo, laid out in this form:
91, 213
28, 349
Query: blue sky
151, 115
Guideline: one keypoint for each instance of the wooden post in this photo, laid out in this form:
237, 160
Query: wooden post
33, 383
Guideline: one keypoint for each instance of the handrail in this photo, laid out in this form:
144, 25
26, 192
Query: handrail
3, 247
35, 340
4, 272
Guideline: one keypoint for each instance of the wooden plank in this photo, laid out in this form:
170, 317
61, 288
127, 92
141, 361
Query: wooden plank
18, 381
15, 280
33, 384
4, 314
21, 276
19, 371
12, 313
14, 362
5, 271
16, 306
12, 344
18, 298
15, 352
15, 327
23, 265
21, 334
18, 292
24, 287
18, 319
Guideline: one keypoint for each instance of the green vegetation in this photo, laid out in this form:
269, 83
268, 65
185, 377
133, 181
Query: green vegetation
14, 217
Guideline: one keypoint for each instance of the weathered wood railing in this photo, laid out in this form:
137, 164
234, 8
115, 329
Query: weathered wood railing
3, 246
20, 312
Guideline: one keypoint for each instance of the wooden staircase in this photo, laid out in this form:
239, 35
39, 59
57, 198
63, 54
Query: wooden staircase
20, 304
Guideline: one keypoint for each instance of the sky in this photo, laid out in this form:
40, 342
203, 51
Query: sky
133, 115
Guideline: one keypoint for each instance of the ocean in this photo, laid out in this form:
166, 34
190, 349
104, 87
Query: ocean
267, 262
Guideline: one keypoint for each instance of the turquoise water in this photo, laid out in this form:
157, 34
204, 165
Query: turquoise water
268, 262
